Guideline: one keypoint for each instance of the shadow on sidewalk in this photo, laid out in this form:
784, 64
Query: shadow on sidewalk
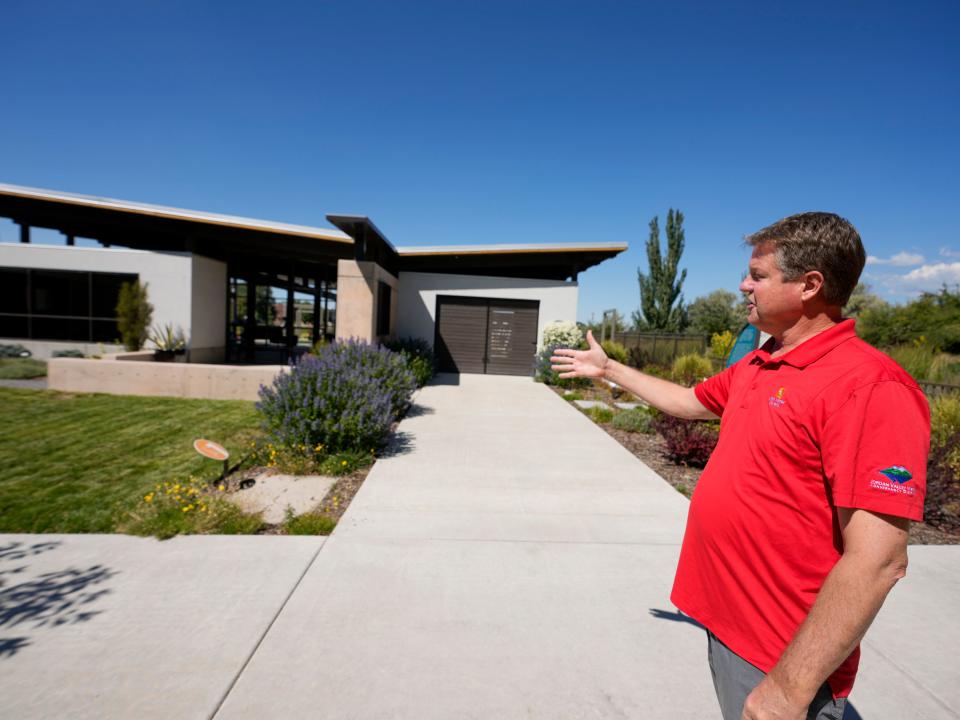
445, 379
418, 410
49, 600
675, 617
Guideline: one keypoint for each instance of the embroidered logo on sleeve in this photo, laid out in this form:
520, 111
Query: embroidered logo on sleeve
777, 401
897, 477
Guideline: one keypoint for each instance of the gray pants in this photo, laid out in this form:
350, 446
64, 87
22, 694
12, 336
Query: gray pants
734, 678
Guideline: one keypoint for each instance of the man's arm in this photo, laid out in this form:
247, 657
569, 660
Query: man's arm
664, 395
874, 558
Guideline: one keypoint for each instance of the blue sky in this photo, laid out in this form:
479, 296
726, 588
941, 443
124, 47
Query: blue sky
469, 122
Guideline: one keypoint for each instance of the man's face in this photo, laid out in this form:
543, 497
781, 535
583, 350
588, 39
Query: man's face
774, 304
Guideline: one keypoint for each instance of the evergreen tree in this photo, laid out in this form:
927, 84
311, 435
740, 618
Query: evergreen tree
134, 313
661, 302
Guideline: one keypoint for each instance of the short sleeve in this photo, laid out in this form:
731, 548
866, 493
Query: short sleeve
874, 449
714, 392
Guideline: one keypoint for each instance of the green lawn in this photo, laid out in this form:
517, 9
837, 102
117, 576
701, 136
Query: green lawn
80, 463
22, 368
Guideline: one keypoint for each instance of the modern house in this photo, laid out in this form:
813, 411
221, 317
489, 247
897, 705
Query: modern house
253, 291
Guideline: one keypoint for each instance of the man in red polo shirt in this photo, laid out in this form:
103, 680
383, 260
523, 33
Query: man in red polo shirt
798, 526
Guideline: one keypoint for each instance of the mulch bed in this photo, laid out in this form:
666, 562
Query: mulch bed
651, 450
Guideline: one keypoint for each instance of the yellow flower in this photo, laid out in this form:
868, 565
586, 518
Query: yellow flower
148, 497
343, 462
221, 488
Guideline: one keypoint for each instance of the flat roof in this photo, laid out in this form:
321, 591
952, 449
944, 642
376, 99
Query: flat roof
507, 248
175, 213
254, 242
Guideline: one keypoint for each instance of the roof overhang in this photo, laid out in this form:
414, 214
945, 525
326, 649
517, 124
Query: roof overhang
549, 262
263, 243
168, 229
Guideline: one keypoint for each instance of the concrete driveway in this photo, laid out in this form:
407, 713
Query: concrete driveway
507, 560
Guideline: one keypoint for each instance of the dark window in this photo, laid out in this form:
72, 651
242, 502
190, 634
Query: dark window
105, 291
105, 331
13, 290
14, 327
383, 309
59, 304
59, 293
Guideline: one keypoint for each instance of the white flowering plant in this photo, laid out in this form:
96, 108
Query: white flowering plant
562, 334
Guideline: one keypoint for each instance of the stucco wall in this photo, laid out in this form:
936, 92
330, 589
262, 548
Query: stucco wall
357, 284
208, 315
418, 298
186, 291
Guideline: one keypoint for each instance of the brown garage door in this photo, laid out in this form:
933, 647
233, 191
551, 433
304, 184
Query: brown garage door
486, 335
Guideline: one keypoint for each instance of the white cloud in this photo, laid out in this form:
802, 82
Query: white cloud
926, 278
947, 252
901, 259
938, 273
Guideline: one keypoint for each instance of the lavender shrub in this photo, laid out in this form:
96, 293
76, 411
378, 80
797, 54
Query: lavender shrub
343, 398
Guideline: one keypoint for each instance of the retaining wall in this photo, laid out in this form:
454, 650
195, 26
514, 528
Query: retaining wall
124, 376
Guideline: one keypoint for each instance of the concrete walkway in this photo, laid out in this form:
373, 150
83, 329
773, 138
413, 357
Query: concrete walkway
31, 384
508, 560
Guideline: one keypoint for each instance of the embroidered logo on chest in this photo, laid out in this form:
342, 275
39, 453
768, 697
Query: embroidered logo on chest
777, 401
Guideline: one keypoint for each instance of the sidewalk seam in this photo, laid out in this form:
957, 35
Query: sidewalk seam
266, 632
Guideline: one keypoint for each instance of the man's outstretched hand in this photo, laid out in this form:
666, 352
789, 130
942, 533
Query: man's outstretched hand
580, 363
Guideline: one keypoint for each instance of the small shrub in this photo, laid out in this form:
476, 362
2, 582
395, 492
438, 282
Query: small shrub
690, 369
599, 414
419, 357
545, 374
720, 345
14, 351
942, 503
134, 313
637, 357
562, 334
615, 351
657, 371
689, 442
307, 524
944, 419
343, 399
67, 354
637, 420
572, 395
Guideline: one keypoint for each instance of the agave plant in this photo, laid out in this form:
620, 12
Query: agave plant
168, 338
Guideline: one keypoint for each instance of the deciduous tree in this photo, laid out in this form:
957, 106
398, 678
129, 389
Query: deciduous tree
716, 312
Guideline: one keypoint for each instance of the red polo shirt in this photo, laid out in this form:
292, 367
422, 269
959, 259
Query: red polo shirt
833, 423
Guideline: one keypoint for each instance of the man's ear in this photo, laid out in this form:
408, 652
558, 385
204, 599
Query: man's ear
812, 284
